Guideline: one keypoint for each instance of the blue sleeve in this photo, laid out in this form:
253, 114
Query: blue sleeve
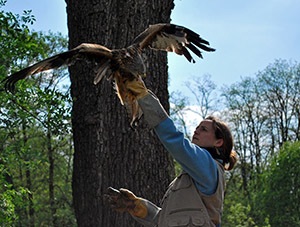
196, 161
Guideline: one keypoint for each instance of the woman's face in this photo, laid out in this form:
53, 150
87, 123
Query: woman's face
204, 135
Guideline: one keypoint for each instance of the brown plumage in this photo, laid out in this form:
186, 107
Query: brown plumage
122, 64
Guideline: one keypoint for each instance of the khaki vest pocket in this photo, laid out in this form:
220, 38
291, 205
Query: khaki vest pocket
178, 220
185, 221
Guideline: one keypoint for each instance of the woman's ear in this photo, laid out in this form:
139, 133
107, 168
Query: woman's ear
219, 142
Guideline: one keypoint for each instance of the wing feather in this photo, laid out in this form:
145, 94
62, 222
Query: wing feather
194, 49
145, 38
83, 51
187, 55
173, 38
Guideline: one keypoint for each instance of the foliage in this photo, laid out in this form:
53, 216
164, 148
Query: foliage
240, 216
15, 41
35, 131
10, 200
263, 113
36, 148
281, 184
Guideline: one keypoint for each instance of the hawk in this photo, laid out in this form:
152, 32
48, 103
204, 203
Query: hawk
122, 64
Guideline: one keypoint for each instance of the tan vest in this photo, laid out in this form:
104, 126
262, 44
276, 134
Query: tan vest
184, 205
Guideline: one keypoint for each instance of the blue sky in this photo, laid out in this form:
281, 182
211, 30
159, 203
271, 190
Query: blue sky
248, 35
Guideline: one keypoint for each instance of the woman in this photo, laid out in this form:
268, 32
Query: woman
195, 197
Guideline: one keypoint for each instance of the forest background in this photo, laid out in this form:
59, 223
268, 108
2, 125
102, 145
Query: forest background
36, 159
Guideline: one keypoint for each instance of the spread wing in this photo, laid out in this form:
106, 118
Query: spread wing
83, 51
173, 38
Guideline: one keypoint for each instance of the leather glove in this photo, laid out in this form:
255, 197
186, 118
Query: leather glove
153, 111
123, 200
137, 87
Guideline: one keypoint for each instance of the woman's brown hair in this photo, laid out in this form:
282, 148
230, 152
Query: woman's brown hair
222, 131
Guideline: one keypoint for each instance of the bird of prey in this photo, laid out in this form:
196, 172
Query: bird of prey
123, 64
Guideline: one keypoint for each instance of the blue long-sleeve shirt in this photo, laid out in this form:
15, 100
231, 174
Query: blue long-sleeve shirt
196, 161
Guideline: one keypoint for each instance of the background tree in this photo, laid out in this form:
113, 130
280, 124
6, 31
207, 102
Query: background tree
262, 111
178, 111
35, 139
280, 198
280, 88
35, 132
205, 102
204, 92
244, 102
107, 151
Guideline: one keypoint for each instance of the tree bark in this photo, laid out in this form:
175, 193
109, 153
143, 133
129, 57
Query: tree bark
51, 161
107, 151
30, 216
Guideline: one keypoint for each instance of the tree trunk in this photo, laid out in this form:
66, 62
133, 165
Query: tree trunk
107, 151
28, 181
51, 161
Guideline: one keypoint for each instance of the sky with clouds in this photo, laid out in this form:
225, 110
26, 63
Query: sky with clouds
247, 35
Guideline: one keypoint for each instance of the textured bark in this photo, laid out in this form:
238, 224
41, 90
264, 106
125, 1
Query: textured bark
107, 151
